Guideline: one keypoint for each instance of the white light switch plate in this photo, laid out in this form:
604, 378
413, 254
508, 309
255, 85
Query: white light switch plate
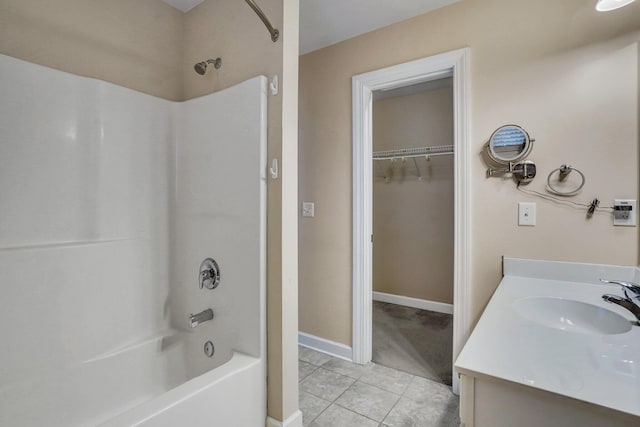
527, 213
308, 209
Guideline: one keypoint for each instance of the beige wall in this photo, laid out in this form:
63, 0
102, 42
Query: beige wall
151, 47
413, 208
566, 73
136, 44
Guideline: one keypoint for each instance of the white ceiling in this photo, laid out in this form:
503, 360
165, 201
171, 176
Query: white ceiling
326, 22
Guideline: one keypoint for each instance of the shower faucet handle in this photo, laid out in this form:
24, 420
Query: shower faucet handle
209, 275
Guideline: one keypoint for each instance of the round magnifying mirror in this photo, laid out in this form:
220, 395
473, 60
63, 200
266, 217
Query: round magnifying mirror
509, 144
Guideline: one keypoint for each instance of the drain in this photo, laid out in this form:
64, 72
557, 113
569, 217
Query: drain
209, 349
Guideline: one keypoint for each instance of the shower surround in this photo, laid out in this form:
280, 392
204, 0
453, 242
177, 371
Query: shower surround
110, 200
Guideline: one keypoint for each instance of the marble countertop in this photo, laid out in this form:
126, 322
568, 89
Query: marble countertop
603, 369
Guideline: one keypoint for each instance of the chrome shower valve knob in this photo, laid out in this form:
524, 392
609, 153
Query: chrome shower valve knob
209, 276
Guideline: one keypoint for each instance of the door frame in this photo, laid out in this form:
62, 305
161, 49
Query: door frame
455, 64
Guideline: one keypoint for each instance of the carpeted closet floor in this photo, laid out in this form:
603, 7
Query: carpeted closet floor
416, 341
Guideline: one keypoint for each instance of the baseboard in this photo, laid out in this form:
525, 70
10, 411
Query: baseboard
423, 304
329, 347
295, 420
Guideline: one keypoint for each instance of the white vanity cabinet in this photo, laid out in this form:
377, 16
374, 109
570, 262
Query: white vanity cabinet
491, 402
549, 351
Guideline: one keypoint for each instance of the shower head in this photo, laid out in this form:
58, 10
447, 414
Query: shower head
201, 67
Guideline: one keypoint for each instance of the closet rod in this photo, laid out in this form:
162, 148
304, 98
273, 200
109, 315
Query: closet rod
407, 153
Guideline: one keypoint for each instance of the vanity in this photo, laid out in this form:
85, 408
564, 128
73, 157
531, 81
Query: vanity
550, 351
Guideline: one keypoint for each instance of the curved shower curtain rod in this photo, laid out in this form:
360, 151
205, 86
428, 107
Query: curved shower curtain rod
273, 31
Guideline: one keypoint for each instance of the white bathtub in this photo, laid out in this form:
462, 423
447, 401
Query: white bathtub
233, 394
110, 390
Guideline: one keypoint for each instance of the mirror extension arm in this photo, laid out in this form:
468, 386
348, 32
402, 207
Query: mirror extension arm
524, 171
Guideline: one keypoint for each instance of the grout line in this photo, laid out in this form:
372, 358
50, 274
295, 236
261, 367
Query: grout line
387, 414
308, 375
336, 399
321, 412
379, 388
370, 385
340, 373
317, 416
357, 413
320, 397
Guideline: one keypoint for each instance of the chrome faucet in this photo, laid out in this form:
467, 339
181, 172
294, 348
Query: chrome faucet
628, 301
203, 316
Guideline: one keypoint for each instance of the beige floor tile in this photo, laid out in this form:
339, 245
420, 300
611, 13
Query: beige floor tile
336, 416
387, 378
326, 384
367, 400
431, 392
305, 369
409, 413
345, 367
311, 356
311, 406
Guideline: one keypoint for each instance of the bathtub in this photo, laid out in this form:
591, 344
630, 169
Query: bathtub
144, 384
233, 394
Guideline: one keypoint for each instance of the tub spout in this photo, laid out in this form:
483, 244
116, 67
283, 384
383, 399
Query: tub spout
203, 316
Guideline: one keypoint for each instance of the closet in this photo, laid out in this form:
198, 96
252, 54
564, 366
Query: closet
413, 236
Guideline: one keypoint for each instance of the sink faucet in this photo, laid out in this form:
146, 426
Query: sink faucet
203, 316
626, 302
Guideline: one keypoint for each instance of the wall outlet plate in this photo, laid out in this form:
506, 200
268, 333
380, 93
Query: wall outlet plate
308, 209
624, 212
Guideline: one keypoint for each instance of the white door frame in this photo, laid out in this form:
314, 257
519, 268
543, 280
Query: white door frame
454, 63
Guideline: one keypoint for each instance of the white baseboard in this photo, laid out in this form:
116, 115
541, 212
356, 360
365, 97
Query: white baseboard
329, 347
295, 420
423, 304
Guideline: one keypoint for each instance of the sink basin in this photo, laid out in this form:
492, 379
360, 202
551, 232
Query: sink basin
571, 316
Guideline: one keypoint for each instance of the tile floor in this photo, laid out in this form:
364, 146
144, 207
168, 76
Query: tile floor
337, 393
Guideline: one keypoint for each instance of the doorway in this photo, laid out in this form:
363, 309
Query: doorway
454, 64
413, 229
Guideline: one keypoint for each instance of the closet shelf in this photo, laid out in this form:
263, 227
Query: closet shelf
406, 153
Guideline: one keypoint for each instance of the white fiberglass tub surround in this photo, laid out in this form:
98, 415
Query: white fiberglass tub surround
110, 200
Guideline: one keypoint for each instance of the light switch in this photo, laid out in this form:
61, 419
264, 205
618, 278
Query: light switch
308, 209
527, 213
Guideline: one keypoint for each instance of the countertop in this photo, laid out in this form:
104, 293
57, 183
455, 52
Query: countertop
596, 368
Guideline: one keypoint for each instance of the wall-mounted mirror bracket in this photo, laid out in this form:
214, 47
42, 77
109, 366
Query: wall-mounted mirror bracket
509, 146
523, 172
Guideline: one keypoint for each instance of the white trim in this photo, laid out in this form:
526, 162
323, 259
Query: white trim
295, 420
329, 347
421, 70
422, 304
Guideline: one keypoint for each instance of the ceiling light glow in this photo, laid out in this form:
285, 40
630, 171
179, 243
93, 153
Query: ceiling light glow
607, 5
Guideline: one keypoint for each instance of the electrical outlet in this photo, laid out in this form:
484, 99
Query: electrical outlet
308, 209
527, 213
624, 212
